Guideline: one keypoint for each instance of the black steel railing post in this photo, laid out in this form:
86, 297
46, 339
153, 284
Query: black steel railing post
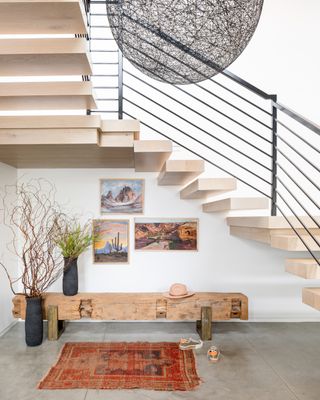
120, 84
274, 156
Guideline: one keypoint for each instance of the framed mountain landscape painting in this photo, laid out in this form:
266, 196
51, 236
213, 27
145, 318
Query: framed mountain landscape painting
111, 245
122, 196
166, 234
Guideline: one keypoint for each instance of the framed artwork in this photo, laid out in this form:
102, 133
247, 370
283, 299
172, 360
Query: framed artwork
112, 243
166, 234
122, 196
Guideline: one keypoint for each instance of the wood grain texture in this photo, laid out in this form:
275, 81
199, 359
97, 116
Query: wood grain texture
306, 268
42, 17
46, 96
204, 326
150, 155
139, 306
311, 297
66, 156
180, 172
203, 187
294, 243
44, 57
55, 327
272, 222
22, 122
286, 238
236, 203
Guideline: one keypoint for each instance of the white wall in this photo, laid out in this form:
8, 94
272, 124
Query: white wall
223, 262
8, 176
283, 56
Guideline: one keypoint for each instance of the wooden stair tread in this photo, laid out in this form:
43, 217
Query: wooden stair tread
75, 155
279, 238
44, 57
46, 96
42, 16
121, 126
311, 297
306, 268
119, 133
236, 203
271, 222
204, 187
150, 155
22, 122
65, 141
293, 243
179, 172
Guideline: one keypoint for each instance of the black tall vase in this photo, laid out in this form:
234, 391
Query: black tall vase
70, 277
34, 322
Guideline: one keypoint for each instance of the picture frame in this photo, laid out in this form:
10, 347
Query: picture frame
112, 245
122, 196
166, 234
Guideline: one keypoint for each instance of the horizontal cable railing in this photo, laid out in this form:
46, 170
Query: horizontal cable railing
234, 126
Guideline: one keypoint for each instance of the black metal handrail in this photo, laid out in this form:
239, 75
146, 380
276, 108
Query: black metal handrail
283, 188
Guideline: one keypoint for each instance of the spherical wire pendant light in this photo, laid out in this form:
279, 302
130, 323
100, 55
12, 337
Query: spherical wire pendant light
183, 41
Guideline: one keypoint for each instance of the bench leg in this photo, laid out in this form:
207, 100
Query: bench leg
55, 326
204, 326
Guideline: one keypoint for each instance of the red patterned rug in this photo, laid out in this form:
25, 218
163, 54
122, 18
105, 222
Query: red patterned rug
155, 366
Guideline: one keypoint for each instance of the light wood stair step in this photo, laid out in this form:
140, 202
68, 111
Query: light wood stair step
306, 268
119, 132
44, 57
236, 203
42, 16
293, 243
203, 187
281, 237
21, 123
311, 297
46, 96
150, 155
277, 222
65, 141
179, 172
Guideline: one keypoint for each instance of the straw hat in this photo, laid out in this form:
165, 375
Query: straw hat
178, 291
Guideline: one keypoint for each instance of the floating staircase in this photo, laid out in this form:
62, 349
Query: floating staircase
49, 52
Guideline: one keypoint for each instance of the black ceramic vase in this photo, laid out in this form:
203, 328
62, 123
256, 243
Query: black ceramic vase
70, 277
34, 323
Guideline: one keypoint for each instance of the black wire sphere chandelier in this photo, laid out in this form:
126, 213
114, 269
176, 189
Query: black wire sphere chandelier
183, 41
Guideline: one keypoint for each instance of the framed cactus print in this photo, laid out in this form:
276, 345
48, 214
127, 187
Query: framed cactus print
111, 245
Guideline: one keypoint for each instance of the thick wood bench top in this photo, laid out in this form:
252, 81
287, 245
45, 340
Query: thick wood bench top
139, 306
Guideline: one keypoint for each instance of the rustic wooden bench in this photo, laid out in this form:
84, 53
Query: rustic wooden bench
203, 307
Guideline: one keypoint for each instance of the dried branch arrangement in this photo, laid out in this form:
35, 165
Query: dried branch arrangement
33, 216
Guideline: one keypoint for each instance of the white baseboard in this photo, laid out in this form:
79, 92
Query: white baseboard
4, 331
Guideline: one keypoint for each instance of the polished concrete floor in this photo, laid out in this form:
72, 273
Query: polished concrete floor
261, 361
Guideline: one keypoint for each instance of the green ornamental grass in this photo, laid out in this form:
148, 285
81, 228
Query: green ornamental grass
74, 239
